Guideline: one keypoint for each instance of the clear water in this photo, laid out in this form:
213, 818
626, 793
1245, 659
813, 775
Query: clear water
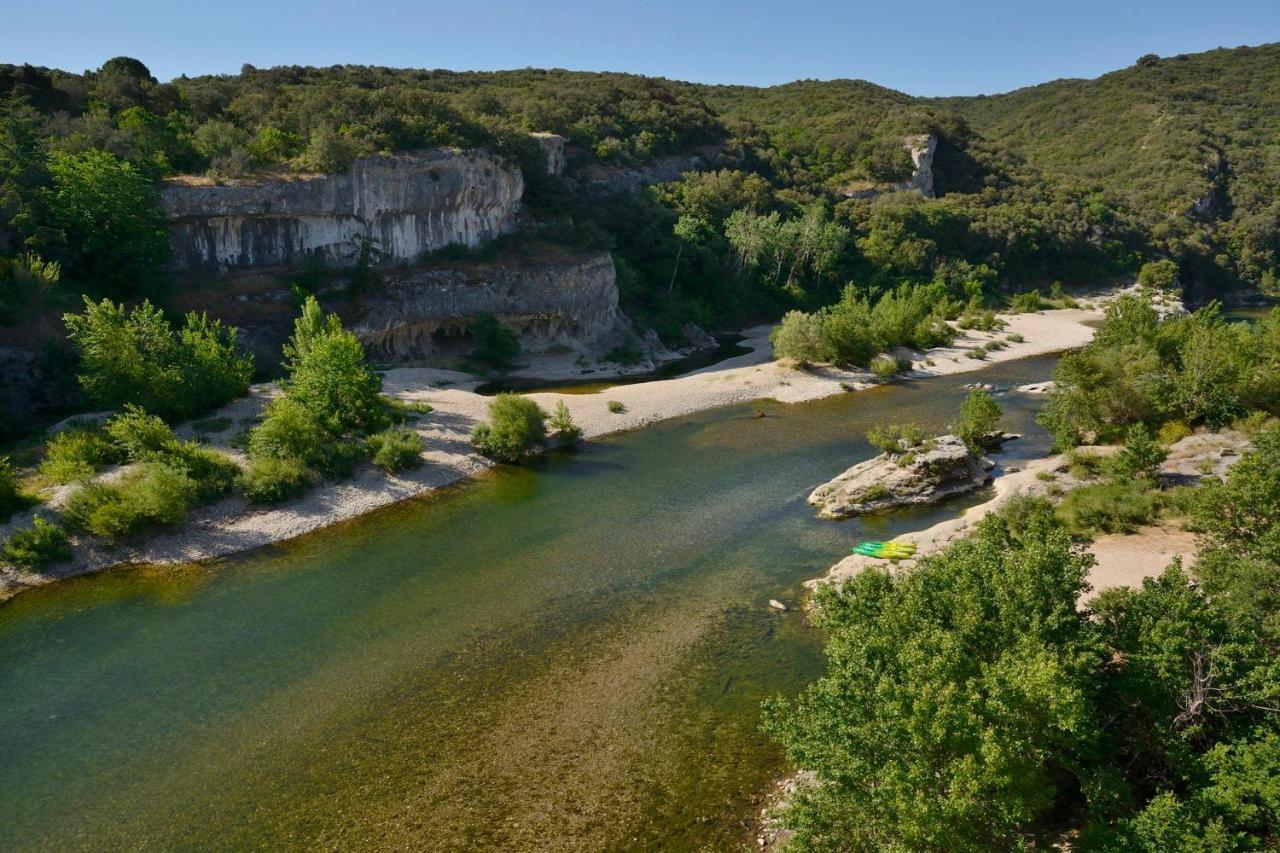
566, 656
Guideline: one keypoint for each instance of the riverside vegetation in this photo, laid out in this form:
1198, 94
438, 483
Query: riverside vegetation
971, 703
795, 199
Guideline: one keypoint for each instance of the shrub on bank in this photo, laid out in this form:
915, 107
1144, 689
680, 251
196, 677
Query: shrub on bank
136, 356
886, 366
274, 479
395, 448
12, 498
75, 454
561, 423
516, 426
37, 546
155, 493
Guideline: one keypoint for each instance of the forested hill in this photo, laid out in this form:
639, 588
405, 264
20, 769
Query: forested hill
1174, 160
1195, 133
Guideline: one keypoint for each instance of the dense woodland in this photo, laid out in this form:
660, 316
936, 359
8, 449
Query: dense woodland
1073, 181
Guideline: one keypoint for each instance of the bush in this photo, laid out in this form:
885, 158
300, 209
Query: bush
37, 546
288, 431
798, 337
496, 345
1119, 506
1026, 303
274, 479
75, 454
516, 426
616, 406
12, 498
156, 493
140, 436
885, 366
562, 424
146, 438
1085, 465
137, 357
1141, 455
979, 414
895, 438
1014, 338
1159, 275
213, 473
977, 352
395, 448
1172, 432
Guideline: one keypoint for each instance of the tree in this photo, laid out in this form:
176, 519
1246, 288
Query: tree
1141, 456
24, 170
135, 356
952, 694
1159, 275
496, 345
328, 376
979, 414
112, 237
516, 426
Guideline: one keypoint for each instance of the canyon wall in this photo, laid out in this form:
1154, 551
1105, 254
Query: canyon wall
403, 205
567, 301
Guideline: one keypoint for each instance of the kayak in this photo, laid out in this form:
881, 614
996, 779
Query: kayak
886, 550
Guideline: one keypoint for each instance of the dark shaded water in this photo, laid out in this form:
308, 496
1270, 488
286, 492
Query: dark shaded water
565, 656
728, 346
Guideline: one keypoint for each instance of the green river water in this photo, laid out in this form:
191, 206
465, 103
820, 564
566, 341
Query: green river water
569, 655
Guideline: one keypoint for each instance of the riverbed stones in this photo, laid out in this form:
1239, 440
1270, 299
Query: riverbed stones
928, 473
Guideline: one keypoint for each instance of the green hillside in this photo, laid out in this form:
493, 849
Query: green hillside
1074, 181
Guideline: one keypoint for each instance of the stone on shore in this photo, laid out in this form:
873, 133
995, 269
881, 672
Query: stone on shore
932, 471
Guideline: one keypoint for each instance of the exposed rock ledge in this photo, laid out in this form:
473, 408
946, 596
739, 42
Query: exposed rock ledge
940, 468
405, 204
570, 302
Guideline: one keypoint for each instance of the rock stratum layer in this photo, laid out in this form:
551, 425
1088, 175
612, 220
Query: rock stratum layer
402, 205
570, 301
943, 467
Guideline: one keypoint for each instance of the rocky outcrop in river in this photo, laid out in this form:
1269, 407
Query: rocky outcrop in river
401, 205
936, 469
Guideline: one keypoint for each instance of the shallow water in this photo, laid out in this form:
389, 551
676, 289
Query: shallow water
566, 656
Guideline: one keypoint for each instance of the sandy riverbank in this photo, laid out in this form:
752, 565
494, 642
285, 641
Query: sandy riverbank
231, 526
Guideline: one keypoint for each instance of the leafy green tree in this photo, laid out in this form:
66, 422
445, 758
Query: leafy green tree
979, 414
1159, 275
111, 236
496, 345
135, 356
952, 697
1141, 455
516, 426
329, 377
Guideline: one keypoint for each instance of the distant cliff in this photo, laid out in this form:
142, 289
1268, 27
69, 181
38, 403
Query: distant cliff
567, 301
405, 204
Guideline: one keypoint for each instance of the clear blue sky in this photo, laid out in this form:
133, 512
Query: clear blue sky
924, 47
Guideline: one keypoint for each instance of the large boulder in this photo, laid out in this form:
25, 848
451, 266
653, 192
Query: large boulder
931, 471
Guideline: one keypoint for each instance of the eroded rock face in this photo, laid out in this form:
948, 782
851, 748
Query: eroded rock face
552, 145
922, 149
570, 302
941, 468
405, 204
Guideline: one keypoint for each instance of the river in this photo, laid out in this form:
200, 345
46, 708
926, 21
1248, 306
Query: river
568, 655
